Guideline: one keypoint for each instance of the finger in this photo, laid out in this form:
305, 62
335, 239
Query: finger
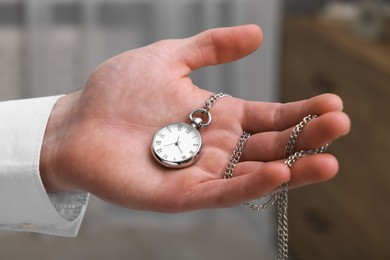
270, 146
217, 46
259, 117
323, 130
229, 192
313, 169
307, 170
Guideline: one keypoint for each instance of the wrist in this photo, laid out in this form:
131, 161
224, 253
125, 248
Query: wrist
55, 132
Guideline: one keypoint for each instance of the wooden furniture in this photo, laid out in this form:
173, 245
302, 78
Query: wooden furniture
349, 216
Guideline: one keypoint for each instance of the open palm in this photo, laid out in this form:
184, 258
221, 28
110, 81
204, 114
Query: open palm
105, 143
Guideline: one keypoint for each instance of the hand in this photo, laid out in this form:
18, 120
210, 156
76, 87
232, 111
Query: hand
98, 139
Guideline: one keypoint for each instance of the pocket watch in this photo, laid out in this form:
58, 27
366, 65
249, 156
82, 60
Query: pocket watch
178, 145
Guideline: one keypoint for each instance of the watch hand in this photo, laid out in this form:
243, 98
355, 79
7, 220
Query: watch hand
174, 143
177, 144
179, 148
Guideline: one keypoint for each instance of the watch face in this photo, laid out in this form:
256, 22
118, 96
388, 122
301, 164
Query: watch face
176, 145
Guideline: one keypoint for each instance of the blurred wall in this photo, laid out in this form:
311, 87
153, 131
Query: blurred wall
50, 47
309, 6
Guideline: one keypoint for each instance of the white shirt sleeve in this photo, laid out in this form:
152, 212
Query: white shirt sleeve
24, 203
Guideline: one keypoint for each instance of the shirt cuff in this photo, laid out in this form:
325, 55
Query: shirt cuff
24, 202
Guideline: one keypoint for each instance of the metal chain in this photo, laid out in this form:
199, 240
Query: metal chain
282, 222
292, 141
282, 205
281, 195
236, 155
214, 98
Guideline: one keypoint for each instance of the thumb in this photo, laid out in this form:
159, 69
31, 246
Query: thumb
222, 45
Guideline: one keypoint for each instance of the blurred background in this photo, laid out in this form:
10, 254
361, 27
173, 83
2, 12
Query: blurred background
49, 47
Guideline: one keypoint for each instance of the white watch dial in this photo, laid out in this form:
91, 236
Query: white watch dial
176, 145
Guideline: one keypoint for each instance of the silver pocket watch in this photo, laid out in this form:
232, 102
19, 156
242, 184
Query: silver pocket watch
178, 145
